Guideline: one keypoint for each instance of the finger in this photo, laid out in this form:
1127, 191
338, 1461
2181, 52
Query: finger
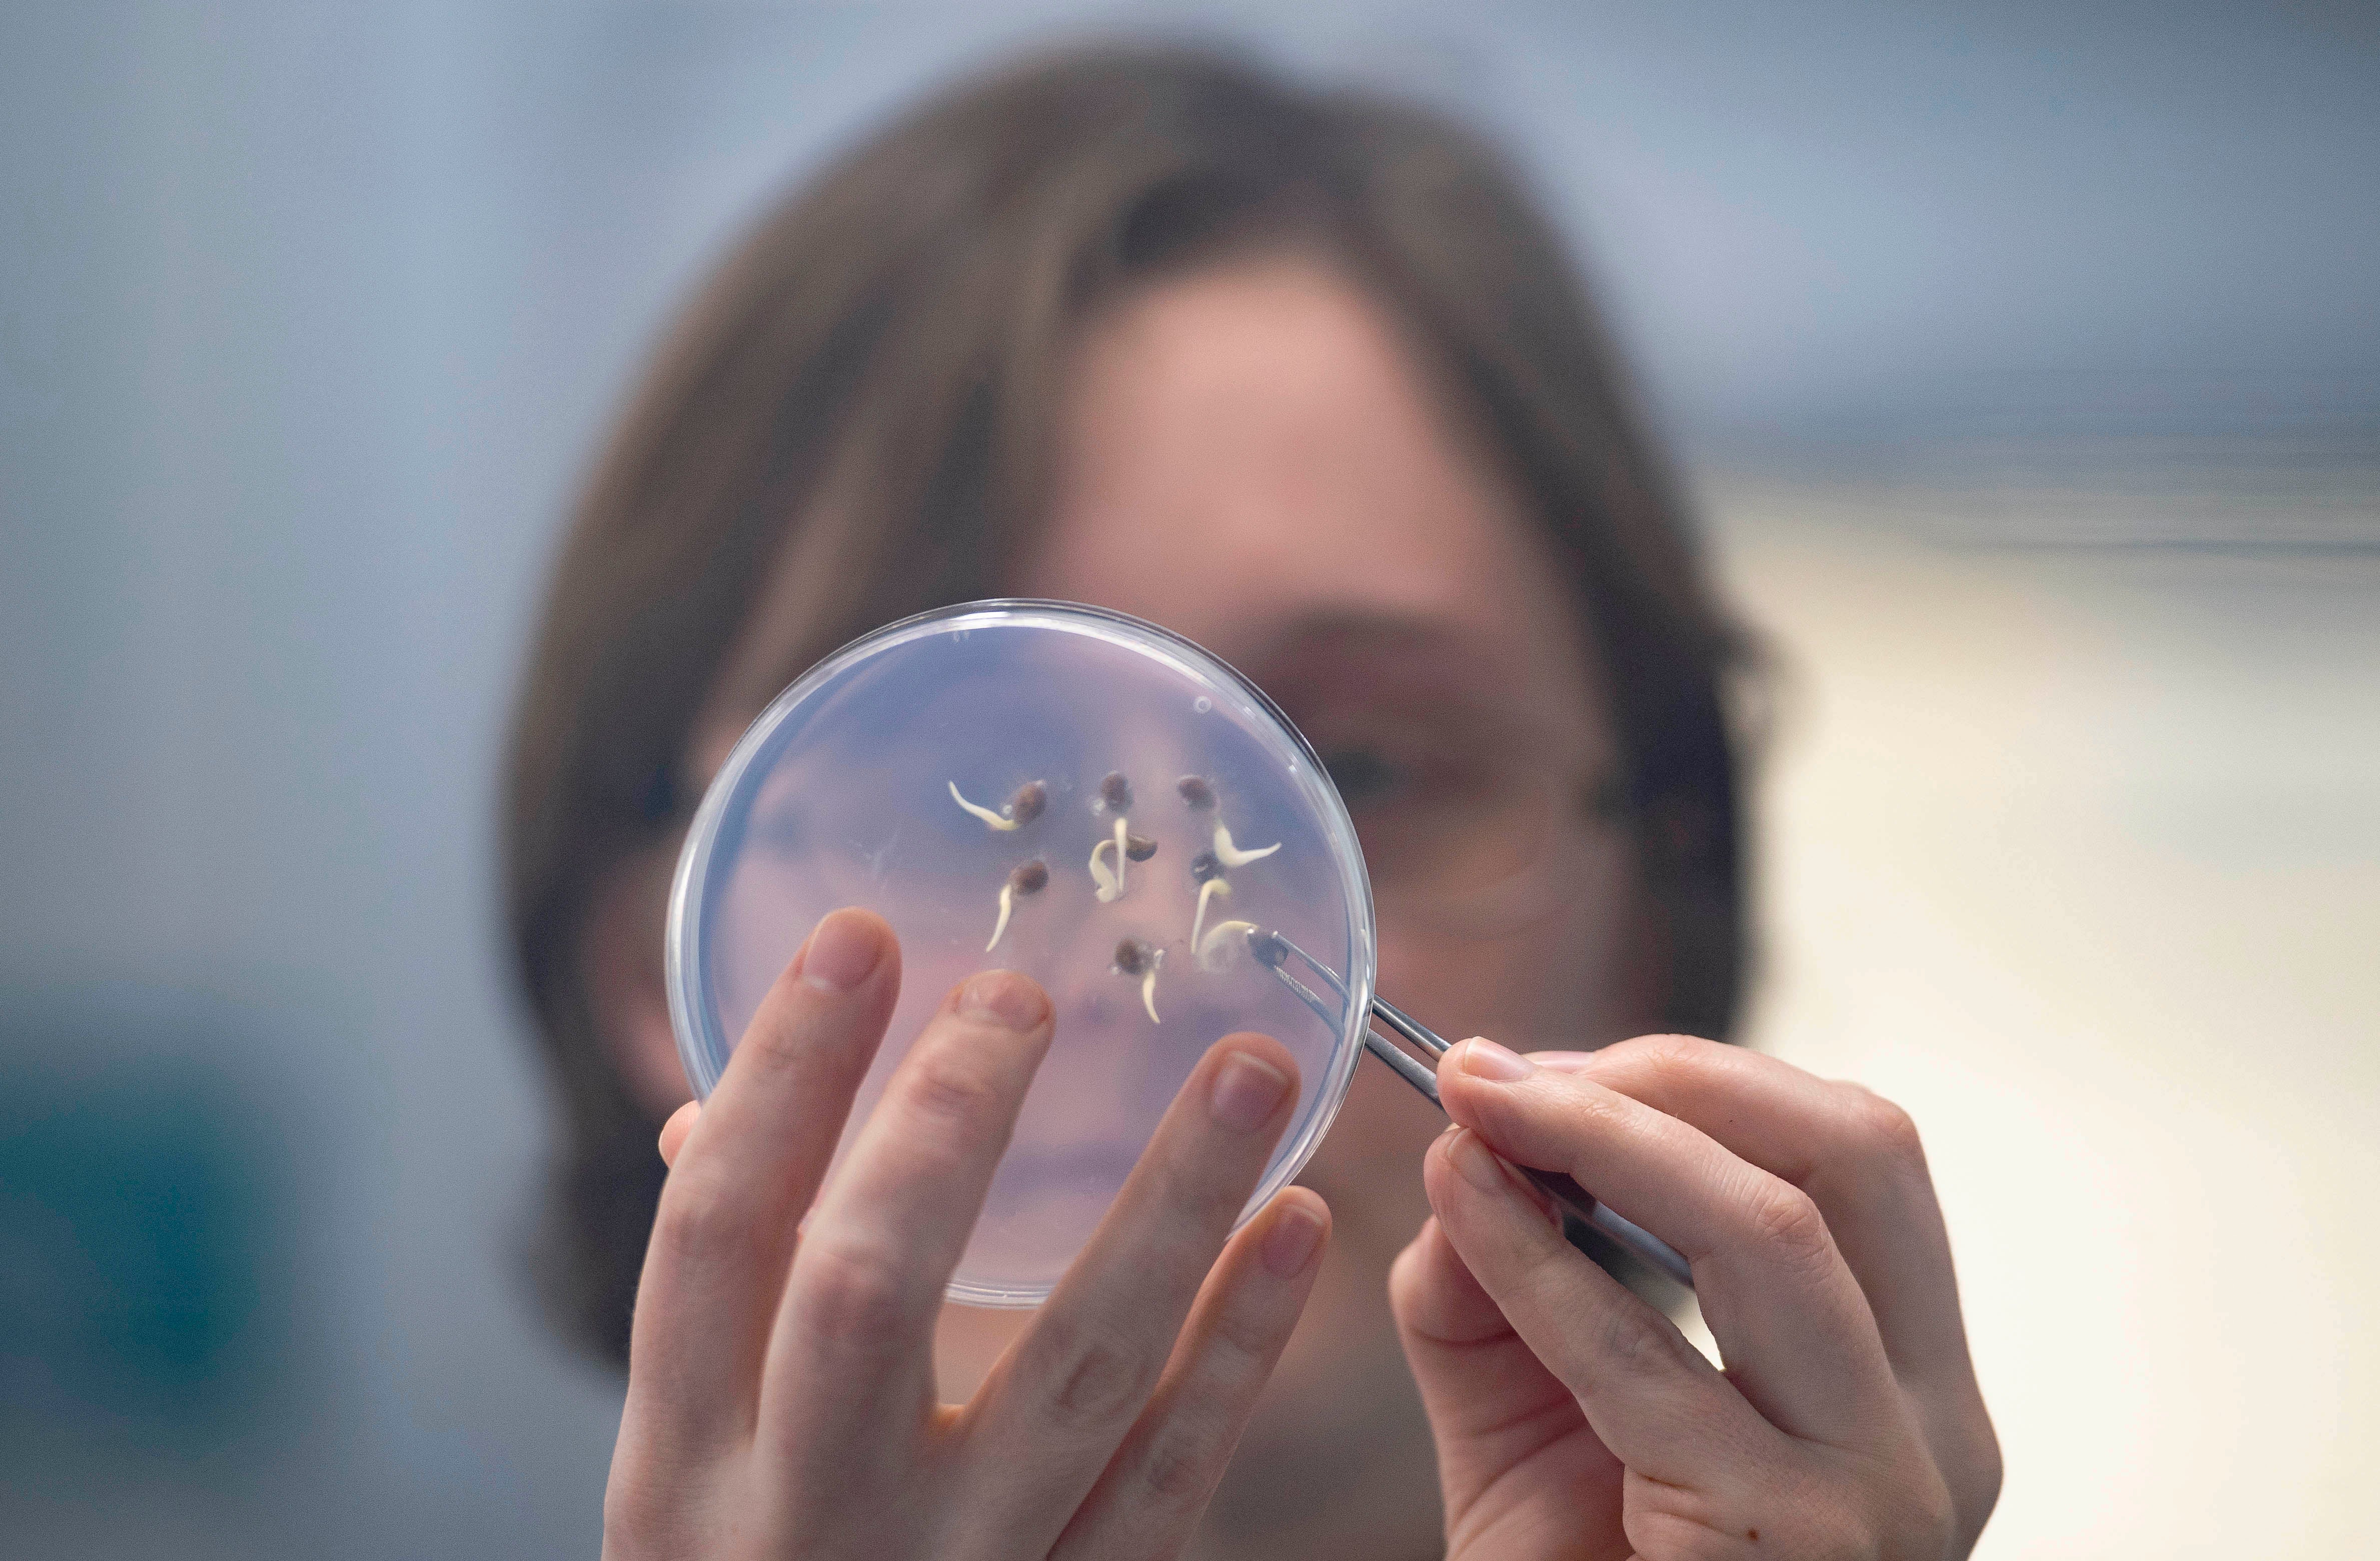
1859, 1158
1789, 1317
673, 1132
1154, 1489
1856, 1155
1492, 1404
1072, 1386
1664, 1411
747, 1167
852, 1355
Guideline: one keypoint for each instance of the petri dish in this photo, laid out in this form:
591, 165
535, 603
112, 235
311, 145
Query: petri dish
868, 782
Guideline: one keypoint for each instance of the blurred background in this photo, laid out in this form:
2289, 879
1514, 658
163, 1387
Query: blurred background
2026, 358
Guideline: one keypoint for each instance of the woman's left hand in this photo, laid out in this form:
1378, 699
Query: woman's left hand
1572, 1419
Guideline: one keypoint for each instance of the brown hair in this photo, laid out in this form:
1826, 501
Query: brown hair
893, 334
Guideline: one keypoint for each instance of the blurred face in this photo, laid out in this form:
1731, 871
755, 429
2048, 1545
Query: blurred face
1251, 457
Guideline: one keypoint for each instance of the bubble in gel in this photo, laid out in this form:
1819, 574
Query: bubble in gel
843, 792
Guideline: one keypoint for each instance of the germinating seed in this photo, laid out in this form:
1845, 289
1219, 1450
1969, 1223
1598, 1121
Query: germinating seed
991, 820
1139, 848
1207, 891
1197, 791
1232, 856
1214, 952
1026, 877
1115, 790
1133, 957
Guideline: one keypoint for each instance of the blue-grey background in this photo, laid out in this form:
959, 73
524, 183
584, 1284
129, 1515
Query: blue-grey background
309, 318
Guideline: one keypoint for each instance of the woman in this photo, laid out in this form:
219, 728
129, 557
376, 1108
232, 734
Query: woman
1302, 377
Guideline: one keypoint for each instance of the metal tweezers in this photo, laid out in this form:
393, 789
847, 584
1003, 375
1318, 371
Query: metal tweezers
1274, 951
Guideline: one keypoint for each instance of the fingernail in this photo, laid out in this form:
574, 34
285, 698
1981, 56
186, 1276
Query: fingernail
1564, 1061
1289, 1245
842, 952
1486, 1060
1005, 998
1246, 1089
1477, 1163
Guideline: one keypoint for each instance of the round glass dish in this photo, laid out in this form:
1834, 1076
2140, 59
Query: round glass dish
899, 774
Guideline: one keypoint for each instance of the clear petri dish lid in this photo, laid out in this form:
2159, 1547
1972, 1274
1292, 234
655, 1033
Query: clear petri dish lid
915, 770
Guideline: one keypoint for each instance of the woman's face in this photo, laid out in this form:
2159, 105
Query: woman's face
1250, 456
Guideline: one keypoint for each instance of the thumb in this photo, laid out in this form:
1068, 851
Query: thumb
1494, 1408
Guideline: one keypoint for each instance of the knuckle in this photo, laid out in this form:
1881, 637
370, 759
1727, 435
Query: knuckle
1243, 1338
1920, 1518
1096, 1376
1182, 1465
697, 1223
1974, 1481
951, 1084
1786, 1222
775, 1046
1881, 1129
1673, 1056
853, 1293
1894, 1507
1633, 1340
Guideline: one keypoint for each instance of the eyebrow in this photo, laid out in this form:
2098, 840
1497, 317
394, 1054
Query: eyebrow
1409, 646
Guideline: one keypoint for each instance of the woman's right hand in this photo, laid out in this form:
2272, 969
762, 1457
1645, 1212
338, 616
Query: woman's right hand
781, 1386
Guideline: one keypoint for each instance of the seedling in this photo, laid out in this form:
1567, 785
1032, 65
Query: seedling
1135, 957
1231, 856
1214, 950
1115, 796
1024, 806
1029, 878
1207, 891
1110, 880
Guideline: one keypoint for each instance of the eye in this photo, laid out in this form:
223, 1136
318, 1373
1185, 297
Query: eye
1367, 776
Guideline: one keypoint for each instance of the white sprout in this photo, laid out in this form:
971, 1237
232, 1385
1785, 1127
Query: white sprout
986, 815
1026, 877
1232, 855
1207, 891
1219, 941
1137, 957
1110, 882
